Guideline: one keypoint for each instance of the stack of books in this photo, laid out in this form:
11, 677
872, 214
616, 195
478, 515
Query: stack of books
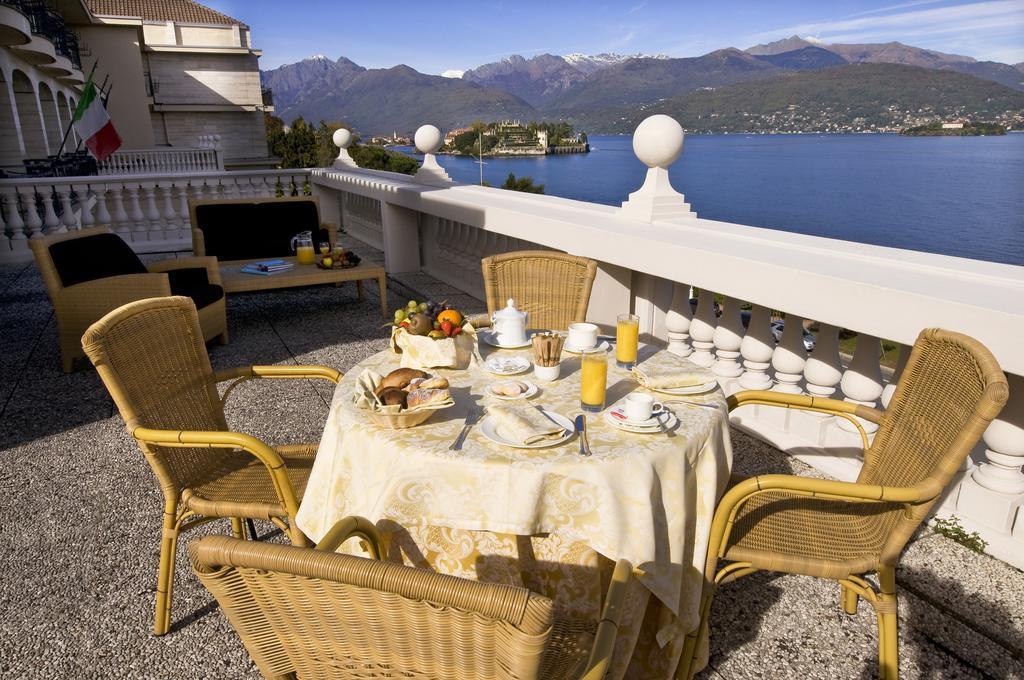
268, 267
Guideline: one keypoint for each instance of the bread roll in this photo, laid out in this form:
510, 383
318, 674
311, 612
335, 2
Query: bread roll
390, 396
435, 383
510, 388
418, 398
400, 377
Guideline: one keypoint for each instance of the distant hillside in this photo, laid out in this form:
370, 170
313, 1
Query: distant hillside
647, 80
535, 80
808, 58
844, 98
395, 99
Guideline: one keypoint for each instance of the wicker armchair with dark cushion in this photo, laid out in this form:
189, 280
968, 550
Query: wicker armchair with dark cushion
552, 286
151, 357
951, 389
89, 272
304, 613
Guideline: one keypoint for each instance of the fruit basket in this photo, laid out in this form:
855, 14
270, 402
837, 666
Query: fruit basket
348, 260
432, 335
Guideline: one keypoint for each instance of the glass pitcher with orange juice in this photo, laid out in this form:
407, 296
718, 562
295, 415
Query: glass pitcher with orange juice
593, 379
627, 336
302, 244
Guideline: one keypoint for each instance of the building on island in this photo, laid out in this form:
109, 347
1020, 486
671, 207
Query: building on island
175, 71
954, 125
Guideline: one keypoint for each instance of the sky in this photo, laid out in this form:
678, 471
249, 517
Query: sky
434, 37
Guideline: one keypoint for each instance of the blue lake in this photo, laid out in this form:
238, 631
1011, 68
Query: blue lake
960, 196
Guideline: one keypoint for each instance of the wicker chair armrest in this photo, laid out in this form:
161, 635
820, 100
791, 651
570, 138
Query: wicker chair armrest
608, 626
242, 373
842, 409
207, 262
349, 527
855, 492
270, 458
99, 296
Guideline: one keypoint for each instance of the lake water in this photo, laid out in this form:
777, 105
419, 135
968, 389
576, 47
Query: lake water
960, 196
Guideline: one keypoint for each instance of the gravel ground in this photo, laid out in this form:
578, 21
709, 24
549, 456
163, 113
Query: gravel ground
80, 523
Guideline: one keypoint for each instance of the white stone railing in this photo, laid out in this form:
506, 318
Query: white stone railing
148, 211
162, 161
654, 253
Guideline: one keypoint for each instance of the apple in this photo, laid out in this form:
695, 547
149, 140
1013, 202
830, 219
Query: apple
328, 262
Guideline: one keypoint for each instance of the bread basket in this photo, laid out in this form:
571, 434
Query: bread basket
400, 421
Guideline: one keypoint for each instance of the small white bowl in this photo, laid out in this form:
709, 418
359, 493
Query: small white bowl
548, 373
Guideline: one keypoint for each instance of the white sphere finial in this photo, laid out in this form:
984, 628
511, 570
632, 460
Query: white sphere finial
342, 138
658, 141
428, 139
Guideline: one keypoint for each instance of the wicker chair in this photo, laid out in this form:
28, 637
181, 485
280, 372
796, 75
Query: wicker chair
553, 287
151, 357
82, 296
305, 613
950, 390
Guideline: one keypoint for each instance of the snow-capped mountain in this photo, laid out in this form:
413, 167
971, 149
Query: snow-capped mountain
589, 63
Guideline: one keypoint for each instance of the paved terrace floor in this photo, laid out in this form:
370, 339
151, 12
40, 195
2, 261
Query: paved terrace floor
80, 513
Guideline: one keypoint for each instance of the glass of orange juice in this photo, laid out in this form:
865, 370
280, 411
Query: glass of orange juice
627, 334
594, 379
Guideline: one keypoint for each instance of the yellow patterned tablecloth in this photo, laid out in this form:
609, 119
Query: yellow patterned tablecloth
548, 519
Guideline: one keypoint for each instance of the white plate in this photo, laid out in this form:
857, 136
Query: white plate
680, 391
603, 345
665, 421
489, 338
531, 390
507, 365
650, 422
487, 427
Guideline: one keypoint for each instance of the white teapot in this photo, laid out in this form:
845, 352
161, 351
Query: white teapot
509, 325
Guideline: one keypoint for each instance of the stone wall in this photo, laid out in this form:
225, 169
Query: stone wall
242, 133
205, 79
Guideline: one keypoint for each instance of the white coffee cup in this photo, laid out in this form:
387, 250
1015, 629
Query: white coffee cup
582, 336
640, 406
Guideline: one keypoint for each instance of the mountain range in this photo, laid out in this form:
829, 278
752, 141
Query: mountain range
592, 90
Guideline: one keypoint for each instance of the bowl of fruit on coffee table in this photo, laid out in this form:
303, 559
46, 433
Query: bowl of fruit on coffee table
432, 335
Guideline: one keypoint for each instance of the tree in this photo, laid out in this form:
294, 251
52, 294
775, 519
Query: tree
305, 146
524, 184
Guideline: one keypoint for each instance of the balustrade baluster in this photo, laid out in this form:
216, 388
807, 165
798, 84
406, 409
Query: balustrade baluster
102, 213
757, 348
68, 220
122, 223
172, 225
702, 329
30, 203
862, 381
153, 214
137, 224
728, 337
182, 191
789, 356
824, 369
51, 222
890, 388
677, 321
85, 207
15, 223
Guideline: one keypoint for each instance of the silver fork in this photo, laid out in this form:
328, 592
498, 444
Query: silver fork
472, 418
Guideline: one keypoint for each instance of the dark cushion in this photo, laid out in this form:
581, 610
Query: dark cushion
193, 282
94, 257
252, 231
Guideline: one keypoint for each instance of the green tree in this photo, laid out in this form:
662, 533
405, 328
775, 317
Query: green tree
524, 184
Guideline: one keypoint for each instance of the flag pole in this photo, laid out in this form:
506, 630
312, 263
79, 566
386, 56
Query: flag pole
72, 123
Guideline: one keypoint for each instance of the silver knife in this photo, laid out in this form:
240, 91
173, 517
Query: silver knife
471, 419
581, 430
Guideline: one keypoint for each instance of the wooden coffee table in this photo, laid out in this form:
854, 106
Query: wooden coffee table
236, 281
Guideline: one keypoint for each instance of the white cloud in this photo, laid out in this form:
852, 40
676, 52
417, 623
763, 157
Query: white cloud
881, 10
452, 73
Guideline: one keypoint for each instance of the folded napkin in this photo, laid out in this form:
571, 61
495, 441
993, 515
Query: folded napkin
524, 424
363, 396
670, 372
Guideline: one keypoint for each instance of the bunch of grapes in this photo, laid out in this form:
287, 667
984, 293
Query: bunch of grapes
430, 308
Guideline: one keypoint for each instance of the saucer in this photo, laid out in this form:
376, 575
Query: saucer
490, 338
663, 422
603, 345
683, 391
507, 365
531, 390
618, 414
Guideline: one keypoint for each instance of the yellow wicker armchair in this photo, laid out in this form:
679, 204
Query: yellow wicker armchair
151, 357
80, 304
318, 614
553, 287
950, 390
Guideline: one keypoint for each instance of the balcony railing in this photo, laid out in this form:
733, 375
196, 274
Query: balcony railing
268, 96
162, 161
50, 24
652, 256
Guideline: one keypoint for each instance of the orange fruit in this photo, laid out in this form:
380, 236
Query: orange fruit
450, 315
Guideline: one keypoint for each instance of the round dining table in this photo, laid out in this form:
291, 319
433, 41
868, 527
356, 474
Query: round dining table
549, 519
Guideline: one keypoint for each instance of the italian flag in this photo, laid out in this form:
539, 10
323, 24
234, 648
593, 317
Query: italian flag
93, 124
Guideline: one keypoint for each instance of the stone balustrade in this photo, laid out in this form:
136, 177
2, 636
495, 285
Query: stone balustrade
149, 211
162, 161
711, 290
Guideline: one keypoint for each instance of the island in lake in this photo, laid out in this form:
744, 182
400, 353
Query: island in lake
955, 129
514, 138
